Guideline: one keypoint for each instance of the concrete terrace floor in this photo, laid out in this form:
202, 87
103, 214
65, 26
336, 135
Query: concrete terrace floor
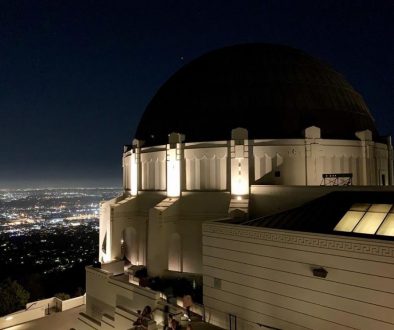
68, 320
56, 321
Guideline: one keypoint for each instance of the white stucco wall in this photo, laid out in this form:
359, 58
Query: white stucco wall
153, 170
214, 165
114, 298
121, 215
183, 217
265, 276
206, 168
302, 162
162, 228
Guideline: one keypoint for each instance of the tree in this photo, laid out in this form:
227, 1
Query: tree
13, 297
34, 284
62, 296
79, 292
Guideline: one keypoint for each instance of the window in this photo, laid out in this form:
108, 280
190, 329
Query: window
373, 219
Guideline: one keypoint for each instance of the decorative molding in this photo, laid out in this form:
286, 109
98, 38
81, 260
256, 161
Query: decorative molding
318, 242
207, 153
206, 172
153, 170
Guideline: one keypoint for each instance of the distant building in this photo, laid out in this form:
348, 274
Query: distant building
259, 168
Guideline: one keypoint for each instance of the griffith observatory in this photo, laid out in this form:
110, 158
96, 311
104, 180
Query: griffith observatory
257, 174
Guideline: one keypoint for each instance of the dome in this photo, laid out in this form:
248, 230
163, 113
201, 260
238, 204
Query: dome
273, 91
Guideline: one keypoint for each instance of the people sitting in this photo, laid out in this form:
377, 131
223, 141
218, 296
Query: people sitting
144, 318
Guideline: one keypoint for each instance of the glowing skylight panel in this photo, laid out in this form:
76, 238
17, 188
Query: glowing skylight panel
387, 227
349, 221
370, 223
360, 207
372, 219
380, 208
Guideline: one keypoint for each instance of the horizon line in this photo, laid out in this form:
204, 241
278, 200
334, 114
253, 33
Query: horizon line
59, 188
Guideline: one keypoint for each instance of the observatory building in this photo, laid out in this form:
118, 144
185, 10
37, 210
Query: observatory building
257, 172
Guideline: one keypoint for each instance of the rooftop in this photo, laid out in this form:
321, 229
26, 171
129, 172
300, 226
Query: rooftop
368, 214
60, 321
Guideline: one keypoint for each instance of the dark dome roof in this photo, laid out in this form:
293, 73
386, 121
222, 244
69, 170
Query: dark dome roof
273, 91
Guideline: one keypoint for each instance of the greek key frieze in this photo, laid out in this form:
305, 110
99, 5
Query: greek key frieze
319, 242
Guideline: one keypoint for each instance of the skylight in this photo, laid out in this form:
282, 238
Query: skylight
373, 219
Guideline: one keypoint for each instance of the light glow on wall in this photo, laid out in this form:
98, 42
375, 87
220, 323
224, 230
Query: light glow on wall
107, 255
106, 258
133, 175
239, 178
239, 188
173, 174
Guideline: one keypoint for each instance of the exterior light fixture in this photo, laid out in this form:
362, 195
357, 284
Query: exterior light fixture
239, 198
319, 272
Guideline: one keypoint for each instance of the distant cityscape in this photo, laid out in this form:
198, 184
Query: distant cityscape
47, 235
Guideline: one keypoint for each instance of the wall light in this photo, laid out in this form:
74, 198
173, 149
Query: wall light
106, 258
173, 174
319, 272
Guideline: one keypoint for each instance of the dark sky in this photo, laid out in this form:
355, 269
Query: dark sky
75, 76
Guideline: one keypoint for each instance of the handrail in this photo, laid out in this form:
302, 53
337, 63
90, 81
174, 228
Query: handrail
30, 306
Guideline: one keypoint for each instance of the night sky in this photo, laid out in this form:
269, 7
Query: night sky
75, 76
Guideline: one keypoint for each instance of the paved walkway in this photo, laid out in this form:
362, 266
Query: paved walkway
68, 319
59, 321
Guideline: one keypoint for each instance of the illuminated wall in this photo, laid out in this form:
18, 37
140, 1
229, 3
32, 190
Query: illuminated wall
233, 165
174, 164
265, 277
206, 168
239, 162
153, 164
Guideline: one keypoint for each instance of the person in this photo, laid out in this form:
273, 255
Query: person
168, 318
138, 321
174, 325
188, 313
146, 316
187, 303
147, 312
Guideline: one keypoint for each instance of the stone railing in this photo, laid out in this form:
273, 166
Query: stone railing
37, 309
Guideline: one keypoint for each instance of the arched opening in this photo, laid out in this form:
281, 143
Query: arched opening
130, 245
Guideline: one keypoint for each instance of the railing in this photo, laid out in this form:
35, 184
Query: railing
27, 308
39, 310
21, 317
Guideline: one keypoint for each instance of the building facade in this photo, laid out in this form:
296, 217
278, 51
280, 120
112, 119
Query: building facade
243, 133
